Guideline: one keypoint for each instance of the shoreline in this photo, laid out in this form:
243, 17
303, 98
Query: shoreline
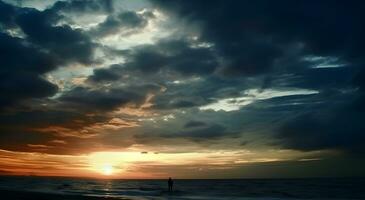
31, 195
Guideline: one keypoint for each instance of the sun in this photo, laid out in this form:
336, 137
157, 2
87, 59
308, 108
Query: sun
106, 163
107, 169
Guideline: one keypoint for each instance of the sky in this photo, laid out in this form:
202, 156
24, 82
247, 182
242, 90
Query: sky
188, 89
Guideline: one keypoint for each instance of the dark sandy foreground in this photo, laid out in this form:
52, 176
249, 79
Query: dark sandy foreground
21, 195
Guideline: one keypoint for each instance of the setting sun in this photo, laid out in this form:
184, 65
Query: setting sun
107, 169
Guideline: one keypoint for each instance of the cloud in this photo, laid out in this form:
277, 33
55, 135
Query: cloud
35, 43
252, 95
337, 126
167, 55
67, 44
124, 23
194, 131
100, 75
191, 124
213, 131
253, 43
106, 100
65, 132
7, 14
253, 39
32, 35
18, 140
177, 55
21, 78
87, 6
291, 79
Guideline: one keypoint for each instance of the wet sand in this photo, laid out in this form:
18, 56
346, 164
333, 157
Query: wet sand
22, 195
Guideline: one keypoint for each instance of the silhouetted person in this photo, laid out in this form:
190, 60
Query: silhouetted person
170, 183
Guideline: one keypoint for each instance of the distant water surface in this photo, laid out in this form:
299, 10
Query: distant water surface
245, 189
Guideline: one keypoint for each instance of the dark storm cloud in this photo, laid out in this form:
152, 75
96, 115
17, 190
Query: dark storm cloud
106, 100
42, 46
40, 29
204, 133
213, 131
7, 14
329, 120
226, 24
193, 90
17, 140
270, 38
340, 78
359, 80
84, 6
41, 127
23, 85
176, 55
340, 128
251, 35
45, 47
194, 124
336, 124
32, 59
186, 92
199, 92
20, 78
285, 118
31, 44
239, 45
174, 101
94, 99
103, 74
67, 44
168, 55
46, 118
123, 24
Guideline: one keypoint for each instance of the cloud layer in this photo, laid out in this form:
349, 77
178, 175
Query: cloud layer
182, 76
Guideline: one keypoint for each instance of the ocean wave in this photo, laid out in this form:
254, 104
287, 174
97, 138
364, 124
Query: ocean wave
245, 189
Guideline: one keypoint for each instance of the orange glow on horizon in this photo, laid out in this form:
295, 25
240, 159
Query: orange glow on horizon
136, 165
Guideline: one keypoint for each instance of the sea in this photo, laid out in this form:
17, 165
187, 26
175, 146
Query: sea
235, 189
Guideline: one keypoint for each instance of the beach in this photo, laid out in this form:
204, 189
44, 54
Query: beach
29, 188
26, 195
